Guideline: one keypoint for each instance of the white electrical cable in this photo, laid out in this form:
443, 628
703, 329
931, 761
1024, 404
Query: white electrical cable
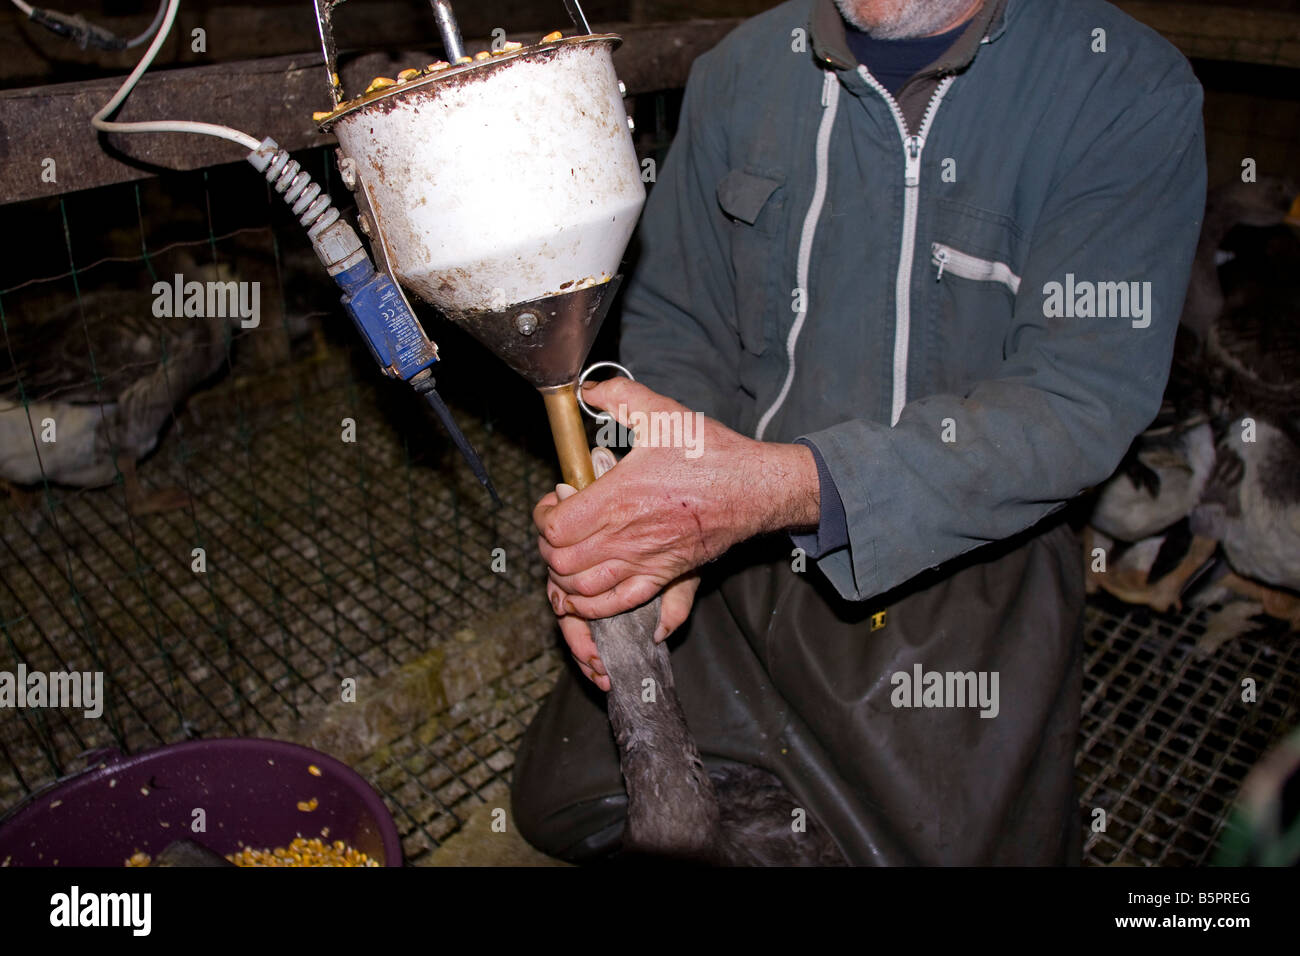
100, 122
150, 30
26, 8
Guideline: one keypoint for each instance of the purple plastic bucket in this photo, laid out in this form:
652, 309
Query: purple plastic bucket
248, 788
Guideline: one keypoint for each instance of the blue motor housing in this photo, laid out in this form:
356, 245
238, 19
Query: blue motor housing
393, 333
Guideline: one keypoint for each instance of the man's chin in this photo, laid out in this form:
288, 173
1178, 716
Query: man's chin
903, 19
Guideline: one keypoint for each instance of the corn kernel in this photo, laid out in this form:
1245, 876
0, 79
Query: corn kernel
321, 116
380, 83
463, 59
313, 770
307, 806
407, 75
303, 852
511, 46
436, 66
552, 37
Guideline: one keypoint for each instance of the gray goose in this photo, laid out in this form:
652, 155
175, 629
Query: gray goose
1227, 356
145, 367
1252, 502
677, 810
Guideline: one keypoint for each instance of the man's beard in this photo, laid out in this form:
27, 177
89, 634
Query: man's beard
901, 19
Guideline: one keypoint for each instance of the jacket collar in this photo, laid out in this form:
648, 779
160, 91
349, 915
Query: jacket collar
826, 30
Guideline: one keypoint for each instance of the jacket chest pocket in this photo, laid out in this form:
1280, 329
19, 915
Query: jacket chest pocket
755, 208
966, 266
973, 258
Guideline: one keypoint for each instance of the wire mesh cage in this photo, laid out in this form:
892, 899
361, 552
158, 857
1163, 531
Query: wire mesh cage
1170, 729
294, 522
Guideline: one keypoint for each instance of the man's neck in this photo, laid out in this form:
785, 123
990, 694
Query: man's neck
961, 18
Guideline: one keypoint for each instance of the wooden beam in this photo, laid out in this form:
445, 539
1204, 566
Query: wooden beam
30, 54
48, 128
1217, 32
240, 30
275, 96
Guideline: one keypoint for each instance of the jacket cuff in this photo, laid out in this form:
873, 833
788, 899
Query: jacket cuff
832, 532
852, 570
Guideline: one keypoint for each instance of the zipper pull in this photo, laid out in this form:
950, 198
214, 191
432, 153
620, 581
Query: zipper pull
912, 161
940, 259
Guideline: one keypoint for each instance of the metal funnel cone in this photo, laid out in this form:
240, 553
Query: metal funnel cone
545, 340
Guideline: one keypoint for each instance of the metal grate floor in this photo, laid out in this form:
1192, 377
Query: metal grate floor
1166, 738
323, 560
327, 560
436, 776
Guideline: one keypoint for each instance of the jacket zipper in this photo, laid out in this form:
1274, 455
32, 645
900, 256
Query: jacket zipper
912, 146
967, 266
821, 163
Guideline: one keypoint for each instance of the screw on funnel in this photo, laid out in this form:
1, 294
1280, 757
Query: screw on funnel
526, 323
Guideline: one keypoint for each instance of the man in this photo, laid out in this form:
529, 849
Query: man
921, 263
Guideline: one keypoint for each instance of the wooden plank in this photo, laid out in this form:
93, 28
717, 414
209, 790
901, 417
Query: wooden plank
239, 30
268, 97
1220, 32
275, 96
30, 54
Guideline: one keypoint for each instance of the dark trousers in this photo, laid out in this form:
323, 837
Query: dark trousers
775, 670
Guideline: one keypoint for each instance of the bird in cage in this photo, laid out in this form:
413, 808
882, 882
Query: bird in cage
1210, 493
1252, 501
87, 388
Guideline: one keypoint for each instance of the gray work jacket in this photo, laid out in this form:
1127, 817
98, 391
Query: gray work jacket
964, 297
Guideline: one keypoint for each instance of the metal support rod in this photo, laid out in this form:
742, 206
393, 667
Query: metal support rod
450, 32
325, 26
570, 435
579, 18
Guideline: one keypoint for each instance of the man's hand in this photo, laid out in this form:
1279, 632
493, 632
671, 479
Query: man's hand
668, 507
674, 608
